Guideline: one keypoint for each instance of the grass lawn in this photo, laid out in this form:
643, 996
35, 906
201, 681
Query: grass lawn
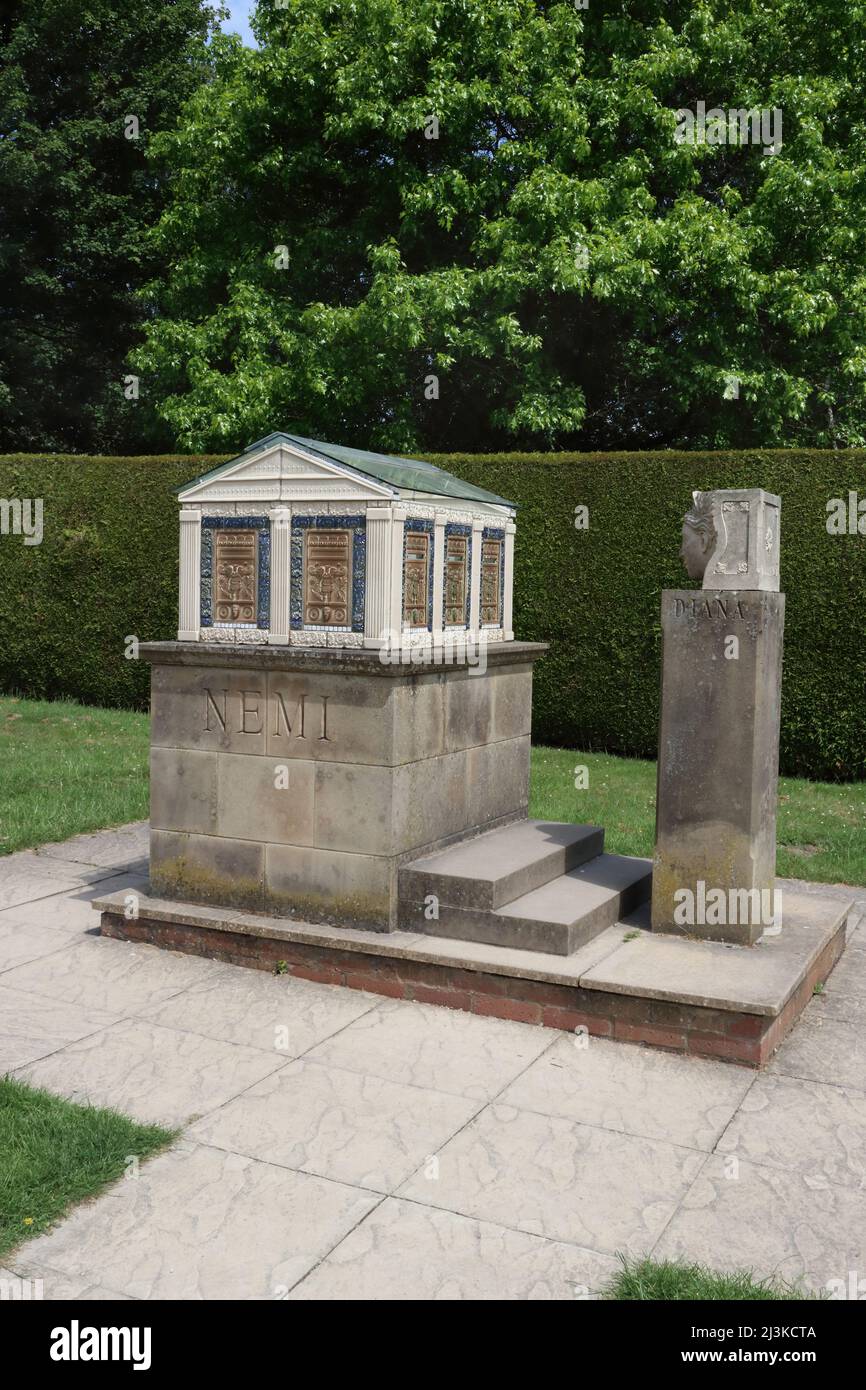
671, 1280
54, 1153
820, 831
68, 768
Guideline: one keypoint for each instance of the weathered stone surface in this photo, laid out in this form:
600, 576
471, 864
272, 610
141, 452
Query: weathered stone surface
709, 974
264, 799
183, 789
718, 758
328, 752
497, 781
493, 869
317, 884
207, 868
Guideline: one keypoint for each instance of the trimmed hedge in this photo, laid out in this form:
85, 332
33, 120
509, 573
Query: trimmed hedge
107, 568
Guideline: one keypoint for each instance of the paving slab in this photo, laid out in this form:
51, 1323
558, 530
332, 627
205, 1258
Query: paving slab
100, 973
824, 1049
849, 974
435, 1048
632, 1090
23, 941
337, 1124
547, 1176
802, 1127
23, 878
775, 1224
403, 1251
759, 979
118, 848
274, 1012
156, 1075
72, 910
49, 1285
198, 1223
32, 1026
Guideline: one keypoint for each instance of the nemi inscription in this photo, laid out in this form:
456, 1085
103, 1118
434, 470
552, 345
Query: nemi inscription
245, 713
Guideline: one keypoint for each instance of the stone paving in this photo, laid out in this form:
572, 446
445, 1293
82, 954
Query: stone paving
336, 1145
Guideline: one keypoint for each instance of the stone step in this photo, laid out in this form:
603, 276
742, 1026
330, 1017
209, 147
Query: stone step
560, 916
493, 869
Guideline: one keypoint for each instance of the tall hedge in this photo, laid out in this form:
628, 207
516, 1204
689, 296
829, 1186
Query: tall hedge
107, 568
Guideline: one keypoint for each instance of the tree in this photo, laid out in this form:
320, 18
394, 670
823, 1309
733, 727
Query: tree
477, 223
84, 84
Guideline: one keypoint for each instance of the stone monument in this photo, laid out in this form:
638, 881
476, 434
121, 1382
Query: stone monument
715, 855
345, 691
340, 765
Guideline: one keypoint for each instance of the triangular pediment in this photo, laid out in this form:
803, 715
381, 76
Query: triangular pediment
282, 471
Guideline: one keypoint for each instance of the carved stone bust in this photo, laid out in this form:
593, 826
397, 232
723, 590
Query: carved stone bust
731, 539
699, 535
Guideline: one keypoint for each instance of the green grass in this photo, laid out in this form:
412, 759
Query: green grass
669, 1280
821, 827
68, 768
54, 1153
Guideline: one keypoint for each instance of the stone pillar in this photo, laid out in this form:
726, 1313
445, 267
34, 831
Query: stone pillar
508, 583
475, 579
395, 603
718, 763
438, 577
189, 608
378, 616
281, 576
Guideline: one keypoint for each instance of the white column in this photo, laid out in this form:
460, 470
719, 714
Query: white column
378, 617
438, 577
189, 589
395, 601
508, 586
281, 575
475, 579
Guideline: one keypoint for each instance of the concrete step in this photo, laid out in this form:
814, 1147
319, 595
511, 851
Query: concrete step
560, 916
493, 869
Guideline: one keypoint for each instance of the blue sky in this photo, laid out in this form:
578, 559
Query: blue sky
239, 20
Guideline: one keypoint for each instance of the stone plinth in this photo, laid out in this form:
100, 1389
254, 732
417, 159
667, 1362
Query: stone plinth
295, 781
718, 763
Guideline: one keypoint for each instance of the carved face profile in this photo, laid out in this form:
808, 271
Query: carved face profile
699, 535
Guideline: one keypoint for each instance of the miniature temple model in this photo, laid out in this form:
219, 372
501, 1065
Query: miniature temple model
307, 544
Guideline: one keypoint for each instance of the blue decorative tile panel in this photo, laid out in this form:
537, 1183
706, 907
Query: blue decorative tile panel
423, 527
261, 526
457, 528
357, 528
496, 533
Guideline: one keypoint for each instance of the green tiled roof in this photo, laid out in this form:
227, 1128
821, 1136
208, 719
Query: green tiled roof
398, 472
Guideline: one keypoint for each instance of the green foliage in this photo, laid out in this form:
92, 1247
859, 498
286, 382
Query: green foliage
668, 1280
76, 197
595, 594
568, 271
107, 569
54, 1153
67, 769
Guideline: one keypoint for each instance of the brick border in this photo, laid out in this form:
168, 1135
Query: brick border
748, 1039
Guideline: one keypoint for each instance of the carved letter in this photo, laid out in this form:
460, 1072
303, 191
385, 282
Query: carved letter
210, 704
252, 711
